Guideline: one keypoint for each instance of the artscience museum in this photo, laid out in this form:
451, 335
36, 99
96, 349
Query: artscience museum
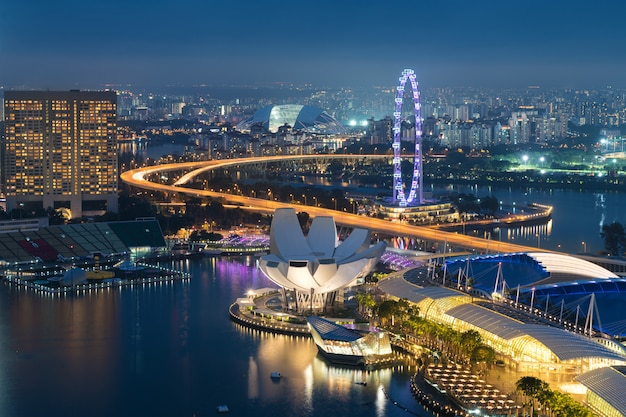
312, 270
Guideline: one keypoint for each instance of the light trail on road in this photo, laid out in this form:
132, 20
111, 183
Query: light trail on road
137, 178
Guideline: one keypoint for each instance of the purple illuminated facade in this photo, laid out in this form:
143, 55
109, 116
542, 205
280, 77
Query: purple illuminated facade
415, 195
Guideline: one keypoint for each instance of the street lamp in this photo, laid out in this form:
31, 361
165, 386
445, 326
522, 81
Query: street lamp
584, 247
525, 159
304, 196
315, 201
335, 201
291, 198
542, 160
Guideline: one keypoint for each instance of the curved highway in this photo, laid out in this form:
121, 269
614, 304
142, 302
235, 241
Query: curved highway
136, 178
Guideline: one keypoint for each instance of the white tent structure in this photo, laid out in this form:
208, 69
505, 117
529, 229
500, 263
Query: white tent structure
317, 266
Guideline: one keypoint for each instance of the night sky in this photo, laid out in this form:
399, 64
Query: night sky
60, 44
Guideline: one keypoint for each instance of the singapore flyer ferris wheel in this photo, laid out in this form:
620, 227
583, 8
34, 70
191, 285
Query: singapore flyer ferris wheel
415, 194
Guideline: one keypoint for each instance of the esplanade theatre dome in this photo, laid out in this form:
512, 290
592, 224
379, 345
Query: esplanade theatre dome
305, 118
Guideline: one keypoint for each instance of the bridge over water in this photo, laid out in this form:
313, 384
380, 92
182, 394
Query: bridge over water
138, 178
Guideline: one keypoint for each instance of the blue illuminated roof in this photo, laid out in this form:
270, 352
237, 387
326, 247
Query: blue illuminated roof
332, 331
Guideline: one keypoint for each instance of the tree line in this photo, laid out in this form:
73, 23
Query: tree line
554, 403
403, 317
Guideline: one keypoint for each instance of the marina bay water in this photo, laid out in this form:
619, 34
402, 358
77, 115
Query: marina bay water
577, 217
171, 350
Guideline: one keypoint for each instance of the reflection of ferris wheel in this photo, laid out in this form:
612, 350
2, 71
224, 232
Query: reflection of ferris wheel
415, 195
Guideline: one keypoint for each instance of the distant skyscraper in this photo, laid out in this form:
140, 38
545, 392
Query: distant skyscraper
60, 150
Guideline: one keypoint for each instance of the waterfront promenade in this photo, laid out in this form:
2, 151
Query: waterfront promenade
268, 322
448, 390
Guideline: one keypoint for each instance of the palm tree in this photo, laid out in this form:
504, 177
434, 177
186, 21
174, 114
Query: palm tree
387, 310
484, 353
469, 341
531, 387
547, 398
366, 302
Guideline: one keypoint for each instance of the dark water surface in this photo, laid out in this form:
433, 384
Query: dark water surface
171, 350
577, 216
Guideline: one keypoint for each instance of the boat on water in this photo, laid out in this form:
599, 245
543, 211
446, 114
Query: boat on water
212, 251
222, 408
344, 346
275, 375
180, 249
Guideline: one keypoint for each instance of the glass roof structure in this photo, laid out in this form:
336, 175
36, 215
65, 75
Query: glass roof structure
332, 331
305, 118
607, 386
543, 345
565, 345
342, 343
552, 282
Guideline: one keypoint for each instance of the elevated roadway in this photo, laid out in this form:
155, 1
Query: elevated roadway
137, 178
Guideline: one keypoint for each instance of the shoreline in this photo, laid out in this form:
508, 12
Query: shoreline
421, 389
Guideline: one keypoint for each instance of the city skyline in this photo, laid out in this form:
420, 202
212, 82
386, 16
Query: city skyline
354, 44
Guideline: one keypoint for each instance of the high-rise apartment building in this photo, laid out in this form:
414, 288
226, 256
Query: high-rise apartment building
60, 150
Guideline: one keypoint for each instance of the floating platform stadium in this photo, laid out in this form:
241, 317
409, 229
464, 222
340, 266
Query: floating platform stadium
341, 345
59, 259
77, 242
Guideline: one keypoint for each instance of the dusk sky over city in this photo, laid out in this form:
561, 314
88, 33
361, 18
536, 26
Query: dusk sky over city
87, 44
372, 208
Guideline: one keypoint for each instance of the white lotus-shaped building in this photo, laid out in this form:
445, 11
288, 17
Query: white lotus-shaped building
315, 267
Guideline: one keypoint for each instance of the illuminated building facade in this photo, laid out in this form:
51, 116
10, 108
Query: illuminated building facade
346, 346
313, 270
308, 119
604, 390
524, 346
429, 212
60, 151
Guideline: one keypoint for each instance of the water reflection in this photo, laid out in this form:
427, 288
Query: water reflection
532, 234
308, 376
170, 349
601, 206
